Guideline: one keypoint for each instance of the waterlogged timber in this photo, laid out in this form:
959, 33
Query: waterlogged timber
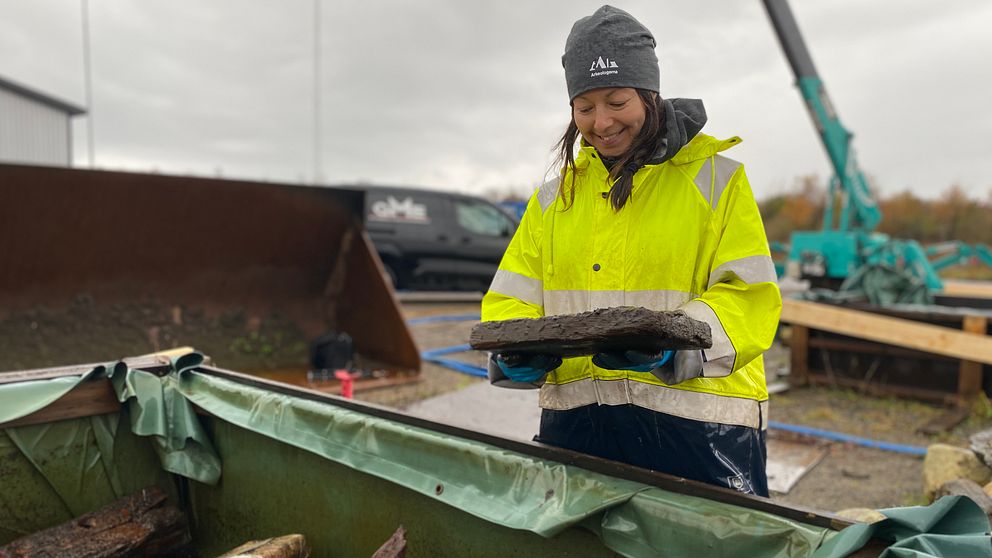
141, 524
586, 333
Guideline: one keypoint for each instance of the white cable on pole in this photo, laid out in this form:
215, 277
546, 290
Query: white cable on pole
90, 148
317, 171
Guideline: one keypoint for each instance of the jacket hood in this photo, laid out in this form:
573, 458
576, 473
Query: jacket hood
703, 147
684, 118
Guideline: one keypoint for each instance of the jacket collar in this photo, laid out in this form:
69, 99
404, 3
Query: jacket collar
700, 147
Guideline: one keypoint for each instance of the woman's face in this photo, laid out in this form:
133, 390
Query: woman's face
609, 119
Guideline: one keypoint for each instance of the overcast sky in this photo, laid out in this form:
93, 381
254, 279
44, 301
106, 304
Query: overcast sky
470, 96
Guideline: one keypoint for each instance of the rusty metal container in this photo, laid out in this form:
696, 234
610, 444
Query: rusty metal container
113, 263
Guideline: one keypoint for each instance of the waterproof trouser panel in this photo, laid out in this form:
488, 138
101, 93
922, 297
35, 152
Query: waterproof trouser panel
720, 454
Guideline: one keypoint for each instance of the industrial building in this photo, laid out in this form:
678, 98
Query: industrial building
35, 128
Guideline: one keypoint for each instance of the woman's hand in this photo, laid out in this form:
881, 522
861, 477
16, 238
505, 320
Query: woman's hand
636, 361
671, 367
526, 368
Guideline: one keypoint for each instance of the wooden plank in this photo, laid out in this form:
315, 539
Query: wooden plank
394, 547
894, 331
146, 362
141, 524
799, 350
970, 372
969, 302
883, 390
968, 288
947, 316
97, 397
789, 460
872, 348
89, 398
286, 546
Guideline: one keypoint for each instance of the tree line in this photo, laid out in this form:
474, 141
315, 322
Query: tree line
953, 215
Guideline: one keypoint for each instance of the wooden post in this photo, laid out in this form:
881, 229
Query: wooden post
970, 373
799, 346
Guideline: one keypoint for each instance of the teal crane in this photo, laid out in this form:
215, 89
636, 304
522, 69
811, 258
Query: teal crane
848, 240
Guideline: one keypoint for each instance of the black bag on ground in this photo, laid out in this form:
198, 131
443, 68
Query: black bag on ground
332, 351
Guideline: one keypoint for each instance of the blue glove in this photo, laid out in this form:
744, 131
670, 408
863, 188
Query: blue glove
635, 361
526, 368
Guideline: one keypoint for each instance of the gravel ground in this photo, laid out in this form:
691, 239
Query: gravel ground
849, 476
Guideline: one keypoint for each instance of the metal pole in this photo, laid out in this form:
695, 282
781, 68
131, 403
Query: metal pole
316, 93
88, 83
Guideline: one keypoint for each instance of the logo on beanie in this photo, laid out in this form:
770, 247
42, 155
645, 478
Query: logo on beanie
602, 67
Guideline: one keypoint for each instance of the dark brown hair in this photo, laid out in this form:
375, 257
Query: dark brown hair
622, 172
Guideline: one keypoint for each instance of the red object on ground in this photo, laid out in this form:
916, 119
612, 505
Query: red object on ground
347, 383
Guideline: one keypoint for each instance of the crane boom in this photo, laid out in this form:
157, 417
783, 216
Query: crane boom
860, 210
841, 251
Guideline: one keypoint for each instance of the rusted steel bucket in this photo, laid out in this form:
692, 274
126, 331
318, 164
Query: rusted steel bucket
101, 263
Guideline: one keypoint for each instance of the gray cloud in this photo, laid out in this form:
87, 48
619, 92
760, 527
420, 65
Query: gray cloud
470, 95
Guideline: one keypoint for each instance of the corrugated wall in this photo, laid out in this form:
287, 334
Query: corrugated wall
31, 132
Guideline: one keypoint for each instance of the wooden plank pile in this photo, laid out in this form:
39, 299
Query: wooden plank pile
138, 525
923, 351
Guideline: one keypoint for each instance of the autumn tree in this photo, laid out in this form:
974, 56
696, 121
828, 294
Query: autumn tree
907, 216
963, 218
801, 209
955, 215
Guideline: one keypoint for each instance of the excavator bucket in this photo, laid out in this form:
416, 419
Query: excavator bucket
112, 263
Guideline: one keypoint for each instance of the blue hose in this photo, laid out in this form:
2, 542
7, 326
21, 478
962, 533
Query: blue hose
435, 356
460, 366
840, 437
434, 353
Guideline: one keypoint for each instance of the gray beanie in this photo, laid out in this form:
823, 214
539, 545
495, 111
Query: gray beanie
609, 49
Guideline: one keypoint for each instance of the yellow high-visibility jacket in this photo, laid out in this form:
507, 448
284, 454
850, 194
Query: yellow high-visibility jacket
690, 237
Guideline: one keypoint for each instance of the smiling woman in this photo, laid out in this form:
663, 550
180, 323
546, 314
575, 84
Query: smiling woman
645, 212
609, 119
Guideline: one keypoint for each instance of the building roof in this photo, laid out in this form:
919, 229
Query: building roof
69, 108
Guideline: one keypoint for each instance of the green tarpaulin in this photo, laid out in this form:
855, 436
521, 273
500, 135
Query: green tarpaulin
511, 491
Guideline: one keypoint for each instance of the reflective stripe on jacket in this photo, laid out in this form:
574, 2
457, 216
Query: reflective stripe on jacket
690, 237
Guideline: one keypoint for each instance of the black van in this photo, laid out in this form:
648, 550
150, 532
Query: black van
433, 240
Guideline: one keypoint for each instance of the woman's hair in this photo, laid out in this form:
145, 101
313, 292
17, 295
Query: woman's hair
645, 145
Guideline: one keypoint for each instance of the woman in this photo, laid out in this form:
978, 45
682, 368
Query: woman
647, 213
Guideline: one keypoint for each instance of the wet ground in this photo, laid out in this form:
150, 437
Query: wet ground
849, 476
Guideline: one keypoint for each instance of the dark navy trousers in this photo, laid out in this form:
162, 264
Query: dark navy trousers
724, 455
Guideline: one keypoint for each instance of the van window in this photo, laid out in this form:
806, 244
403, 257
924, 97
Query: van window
483, 219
